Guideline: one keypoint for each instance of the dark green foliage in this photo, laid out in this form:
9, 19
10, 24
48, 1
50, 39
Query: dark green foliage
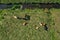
30, 1
15, 7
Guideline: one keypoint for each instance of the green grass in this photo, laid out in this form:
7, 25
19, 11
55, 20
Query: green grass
56, 14
13, 29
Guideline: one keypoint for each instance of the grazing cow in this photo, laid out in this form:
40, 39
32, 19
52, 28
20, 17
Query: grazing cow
37, 27
15, 17
19, 18
25, 23
27, 17
45, 26
42, 24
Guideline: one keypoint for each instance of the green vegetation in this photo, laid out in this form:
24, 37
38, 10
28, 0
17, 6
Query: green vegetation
56, 14
13, 29
30, 1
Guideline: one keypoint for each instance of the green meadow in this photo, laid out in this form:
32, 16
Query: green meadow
13, 29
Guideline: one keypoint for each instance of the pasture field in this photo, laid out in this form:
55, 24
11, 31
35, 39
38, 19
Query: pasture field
56, 14
13, 29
